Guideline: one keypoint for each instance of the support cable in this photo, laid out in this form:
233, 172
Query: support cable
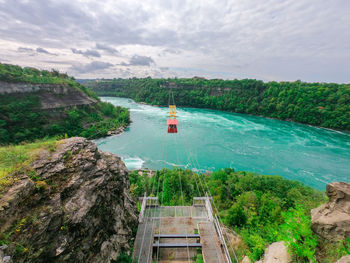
217, 212
160, 216
183, 203
153, 220
145, 218
160, 221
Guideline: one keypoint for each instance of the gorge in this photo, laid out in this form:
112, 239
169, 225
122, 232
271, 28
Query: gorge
209, 140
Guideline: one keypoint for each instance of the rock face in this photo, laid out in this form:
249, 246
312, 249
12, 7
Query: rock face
51, 96
331, 221
73, 205
276, 253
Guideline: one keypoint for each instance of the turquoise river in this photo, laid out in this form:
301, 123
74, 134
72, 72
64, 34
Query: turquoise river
209, 140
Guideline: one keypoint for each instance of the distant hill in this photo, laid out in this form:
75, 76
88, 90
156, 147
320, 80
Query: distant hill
319, 104
36, 104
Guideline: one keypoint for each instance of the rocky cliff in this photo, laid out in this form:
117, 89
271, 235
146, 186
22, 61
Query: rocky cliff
30, 111
51, 95
331, 221
72, 204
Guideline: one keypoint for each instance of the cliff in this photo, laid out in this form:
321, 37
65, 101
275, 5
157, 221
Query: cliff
51, 96
331, 221
71, 204
37, 104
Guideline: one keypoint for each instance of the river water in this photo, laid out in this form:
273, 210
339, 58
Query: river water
209, 140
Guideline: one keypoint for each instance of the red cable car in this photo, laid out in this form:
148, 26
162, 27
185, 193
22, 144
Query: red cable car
172, 121
172, 125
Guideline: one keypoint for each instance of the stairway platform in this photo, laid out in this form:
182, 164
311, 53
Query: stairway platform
176, 245
177, 236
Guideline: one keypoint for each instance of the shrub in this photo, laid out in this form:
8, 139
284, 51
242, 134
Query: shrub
297, 233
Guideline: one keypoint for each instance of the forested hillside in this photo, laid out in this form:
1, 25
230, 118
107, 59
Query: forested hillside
36, 104
320, 104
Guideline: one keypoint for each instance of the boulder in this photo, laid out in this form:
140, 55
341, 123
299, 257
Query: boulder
345, 259
276, 253
246, 259
3, 258
74, 207
331, 221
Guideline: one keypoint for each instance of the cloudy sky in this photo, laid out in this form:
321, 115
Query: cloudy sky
263, 39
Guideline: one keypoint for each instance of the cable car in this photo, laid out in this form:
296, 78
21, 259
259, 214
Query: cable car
172, 121
172, 125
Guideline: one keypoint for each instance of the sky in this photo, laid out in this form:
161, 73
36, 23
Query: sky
282, 40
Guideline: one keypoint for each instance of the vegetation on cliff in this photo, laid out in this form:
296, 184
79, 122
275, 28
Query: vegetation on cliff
15, 158
262, 209
320, 104
17, 74
23, 119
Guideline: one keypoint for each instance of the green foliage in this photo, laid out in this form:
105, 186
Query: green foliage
331, 252
16, 158
199, 258
256, 243
297, 233
12, 73
254, 205
320, 104
346, 244
124, 258
236, 216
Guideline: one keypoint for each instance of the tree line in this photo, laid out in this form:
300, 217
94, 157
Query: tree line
319, 104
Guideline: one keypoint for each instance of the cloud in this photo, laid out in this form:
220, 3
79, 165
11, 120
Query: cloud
28, 51
25, 50
107, 48
42, 50
124, 64
251, 38
33, 52
137, 60
87, 53
58, 62
91, 67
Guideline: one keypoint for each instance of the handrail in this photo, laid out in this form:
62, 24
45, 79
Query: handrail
222, 239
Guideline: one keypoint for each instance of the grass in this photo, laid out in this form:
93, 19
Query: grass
14, 158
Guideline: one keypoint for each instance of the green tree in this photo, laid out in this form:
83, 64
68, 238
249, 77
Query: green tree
236, 216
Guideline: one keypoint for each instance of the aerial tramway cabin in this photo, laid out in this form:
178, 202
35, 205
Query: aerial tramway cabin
172, 125
172, 121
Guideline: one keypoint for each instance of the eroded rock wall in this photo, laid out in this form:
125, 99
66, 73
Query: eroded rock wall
51, 95
73, 205
331, 221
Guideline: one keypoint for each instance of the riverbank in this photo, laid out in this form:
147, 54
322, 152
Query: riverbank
117, 131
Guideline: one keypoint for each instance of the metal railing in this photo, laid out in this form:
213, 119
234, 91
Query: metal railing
222, 239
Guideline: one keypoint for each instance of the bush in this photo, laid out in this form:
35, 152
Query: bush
236, 216
297, 233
